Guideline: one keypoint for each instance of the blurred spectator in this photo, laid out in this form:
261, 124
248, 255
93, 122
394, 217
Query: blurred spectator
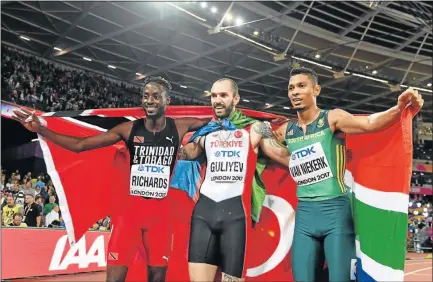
9, 210
19, 198
53, 217
48, 207
27, 177
44, 194
32, 212
38, 191
39, 201
39, 182
17, 221
28, 190
16, 189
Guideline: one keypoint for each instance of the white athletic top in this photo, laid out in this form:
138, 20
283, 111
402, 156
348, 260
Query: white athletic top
228, 161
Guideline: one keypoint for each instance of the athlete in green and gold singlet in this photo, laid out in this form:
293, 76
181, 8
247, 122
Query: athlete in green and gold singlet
324, 226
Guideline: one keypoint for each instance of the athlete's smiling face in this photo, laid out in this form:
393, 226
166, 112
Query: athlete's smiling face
155, 100
223, 98
303, 91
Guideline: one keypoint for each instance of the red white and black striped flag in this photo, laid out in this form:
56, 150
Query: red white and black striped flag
101, 174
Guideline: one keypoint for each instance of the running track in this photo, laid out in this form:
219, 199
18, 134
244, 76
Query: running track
417, 269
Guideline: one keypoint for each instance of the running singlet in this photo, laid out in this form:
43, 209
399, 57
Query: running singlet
221, 217
318, 159
152, 158
228, 159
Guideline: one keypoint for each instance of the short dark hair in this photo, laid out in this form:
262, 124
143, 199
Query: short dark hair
158, 80
307, 71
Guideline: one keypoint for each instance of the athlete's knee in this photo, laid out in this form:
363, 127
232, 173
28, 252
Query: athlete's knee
156, 273
229, 278
199, 272
116, 273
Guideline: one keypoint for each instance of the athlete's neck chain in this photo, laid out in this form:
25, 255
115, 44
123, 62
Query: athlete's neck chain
224, 138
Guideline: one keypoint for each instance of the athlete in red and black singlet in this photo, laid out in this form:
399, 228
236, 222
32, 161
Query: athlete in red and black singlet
147, 210
152, 158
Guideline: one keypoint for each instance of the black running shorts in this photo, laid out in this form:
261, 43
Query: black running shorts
218, 234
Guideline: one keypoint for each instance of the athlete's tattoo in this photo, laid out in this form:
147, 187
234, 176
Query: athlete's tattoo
264, 129
275, 143
229, 278
183, 154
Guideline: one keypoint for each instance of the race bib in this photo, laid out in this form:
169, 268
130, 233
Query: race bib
227, 171
309, 165
149, 180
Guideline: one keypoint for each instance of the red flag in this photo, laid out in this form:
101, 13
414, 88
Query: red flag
98, 174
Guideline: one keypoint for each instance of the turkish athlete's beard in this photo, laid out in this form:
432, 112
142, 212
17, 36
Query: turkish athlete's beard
221, 111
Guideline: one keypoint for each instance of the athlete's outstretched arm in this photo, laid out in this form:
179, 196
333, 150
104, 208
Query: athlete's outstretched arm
72, 143
350, 124
270, 145
191, 150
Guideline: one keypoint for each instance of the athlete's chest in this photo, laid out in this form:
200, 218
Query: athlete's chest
295, 137
227, 144
153, 148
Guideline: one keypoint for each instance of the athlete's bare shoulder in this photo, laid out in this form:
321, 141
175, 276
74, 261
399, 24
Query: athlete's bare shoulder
334, 116
123, 129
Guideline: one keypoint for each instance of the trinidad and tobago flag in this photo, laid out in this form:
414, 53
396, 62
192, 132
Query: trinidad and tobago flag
378, 172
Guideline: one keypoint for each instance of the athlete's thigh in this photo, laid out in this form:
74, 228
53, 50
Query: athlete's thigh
203, 243
339, 253
340, 242
307, 257
158, 237
233, 242
307, 251
124, 240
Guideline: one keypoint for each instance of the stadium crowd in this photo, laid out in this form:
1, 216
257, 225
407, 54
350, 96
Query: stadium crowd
50, 87
29, 200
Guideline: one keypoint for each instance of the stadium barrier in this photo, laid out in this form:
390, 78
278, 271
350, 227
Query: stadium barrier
421, 190
422, 166
30, 252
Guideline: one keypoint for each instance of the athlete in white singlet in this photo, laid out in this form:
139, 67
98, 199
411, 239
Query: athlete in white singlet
222, 216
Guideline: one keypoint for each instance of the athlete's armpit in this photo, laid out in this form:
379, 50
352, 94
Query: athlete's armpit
190, 151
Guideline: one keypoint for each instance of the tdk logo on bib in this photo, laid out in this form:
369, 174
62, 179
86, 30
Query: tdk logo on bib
228, 154
151, 168
303, 153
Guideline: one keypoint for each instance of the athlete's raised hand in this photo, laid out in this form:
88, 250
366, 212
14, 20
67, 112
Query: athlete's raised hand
410, 98
28, 119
